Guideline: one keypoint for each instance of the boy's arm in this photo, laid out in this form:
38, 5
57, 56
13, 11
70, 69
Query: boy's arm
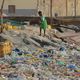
39, 21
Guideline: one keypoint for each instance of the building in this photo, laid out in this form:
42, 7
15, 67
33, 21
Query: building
61, 7
30, 7
19, 7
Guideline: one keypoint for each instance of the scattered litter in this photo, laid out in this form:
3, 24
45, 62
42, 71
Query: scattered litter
31, 62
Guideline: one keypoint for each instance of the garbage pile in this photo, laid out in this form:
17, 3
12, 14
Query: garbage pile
39, 58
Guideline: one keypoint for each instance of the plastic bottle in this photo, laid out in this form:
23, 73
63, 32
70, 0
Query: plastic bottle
13, 56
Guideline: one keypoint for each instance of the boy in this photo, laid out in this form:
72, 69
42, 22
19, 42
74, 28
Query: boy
43, 23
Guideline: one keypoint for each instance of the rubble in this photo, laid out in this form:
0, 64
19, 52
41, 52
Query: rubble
36, 57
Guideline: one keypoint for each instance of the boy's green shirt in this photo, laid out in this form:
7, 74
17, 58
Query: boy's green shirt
43, 23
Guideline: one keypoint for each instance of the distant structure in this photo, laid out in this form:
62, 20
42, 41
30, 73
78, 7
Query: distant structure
31, 7
61, 7
19, 7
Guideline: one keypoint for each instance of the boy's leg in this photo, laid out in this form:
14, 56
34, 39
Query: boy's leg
44, 31
40, 31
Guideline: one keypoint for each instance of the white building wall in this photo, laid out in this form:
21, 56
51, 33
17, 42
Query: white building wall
20, 4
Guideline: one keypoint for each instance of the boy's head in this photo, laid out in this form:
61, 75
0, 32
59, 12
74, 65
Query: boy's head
40, 13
